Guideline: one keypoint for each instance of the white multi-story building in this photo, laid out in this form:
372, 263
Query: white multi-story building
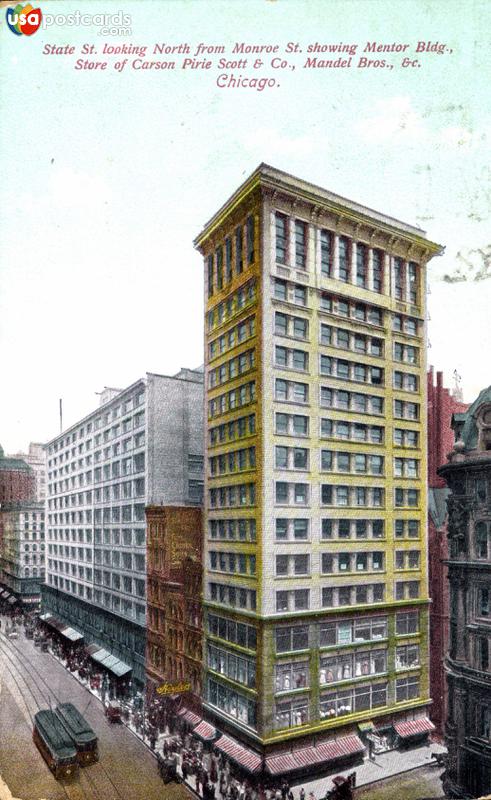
142, 446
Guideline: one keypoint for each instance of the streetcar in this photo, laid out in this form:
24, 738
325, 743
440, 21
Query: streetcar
54, 744
80, 732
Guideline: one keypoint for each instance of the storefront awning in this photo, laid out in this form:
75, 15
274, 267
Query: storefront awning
189, 716
71, 634
45, 617
205, 731
241, 755
413, 727
4, 594
107, 660
278, 765
306, 756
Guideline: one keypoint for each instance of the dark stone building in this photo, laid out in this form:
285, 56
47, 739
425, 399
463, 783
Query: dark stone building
468, 475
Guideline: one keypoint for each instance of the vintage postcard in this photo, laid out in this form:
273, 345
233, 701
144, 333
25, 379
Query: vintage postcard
245, 439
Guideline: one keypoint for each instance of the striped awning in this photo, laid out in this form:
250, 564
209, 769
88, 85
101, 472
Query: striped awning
189, 716
278, 765
241, 755
413, 727
205, 731
338, 748
306, 756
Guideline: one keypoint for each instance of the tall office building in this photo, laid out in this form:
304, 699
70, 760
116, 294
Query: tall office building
315, 581
142, 446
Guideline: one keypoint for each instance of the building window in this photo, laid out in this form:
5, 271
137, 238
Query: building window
481, 536
290, 639
293, 675
326, 253
238, 250
407, 688
250, 239
344, 258
290, 713
281, 238
361, 264
300, 244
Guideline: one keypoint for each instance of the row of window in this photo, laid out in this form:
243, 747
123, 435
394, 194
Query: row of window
233, 596
350, 371
237, 398
112, 602
230, 496
120, 559
232, 369
298, 494
233, 461
99, 422
231, 631
233, 563
233, 305
235, 429
343, 258
235, 336
228, 258
291, 638
348, 340
343, 596
242, 530
237, 668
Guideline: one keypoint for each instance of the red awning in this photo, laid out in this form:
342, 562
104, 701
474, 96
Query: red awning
413, 727
306, 756
205, 731
189, 716
278, 765
242, 755
346, 746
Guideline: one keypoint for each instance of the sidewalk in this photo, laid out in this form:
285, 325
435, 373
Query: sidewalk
386, 765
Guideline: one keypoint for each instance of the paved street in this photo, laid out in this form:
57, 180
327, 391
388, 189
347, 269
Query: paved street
30, 680
414, 785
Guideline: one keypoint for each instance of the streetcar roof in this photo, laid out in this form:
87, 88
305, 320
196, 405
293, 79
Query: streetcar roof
54, 734
75, 723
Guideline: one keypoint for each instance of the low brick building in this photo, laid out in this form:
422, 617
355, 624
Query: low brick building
441, 405
174, 616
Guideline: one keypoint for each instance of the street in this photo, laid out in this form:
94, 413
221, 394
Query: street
31, 680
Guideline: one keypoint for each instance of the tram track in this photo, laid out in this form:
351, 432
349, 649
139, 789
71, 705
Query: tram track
102, 788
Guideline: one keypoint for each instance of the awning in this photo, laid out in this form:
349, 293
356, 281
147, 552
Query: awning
338, 748
107, 660
278, 765
45, 617
241, 755
306, 756
12, 599
189, 716
4, 593
414, 727
71, 634
205, 731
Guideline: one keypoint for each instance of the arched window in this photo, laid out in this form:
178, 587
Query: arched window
26, 572
34, 572
481, 532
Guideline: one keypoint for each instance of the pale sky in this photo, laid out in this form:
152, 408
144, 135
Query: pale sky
106, 178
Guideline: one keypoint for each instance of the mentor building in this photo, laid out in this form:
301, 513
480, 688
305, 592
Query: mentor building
315, 562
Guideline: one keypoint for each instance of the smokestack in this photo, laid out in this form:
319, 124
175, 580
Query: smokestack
61, 415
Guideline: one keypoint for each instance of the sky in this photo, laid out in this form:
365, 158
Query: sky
106, 177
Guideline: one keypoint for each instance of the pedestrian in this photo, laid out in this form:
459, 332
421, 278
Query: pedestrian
302, 793
311, 796
290, 795
197, 779
213, 771
184, 770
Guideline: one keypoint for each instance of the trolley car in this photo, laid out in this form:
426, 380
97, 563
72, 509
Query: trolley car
80, 732
54, 744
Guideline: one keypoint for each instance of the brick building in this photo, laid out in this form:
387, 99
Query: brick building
174, 617
441, 405
17, 480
